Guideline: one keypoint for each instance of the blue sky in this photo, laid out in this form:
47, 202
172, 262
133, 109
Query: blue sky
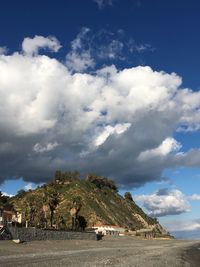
170, 27
81, 97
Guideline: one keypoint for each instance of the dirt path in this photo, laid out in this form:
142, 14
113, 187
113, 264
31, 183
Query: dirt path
121, 251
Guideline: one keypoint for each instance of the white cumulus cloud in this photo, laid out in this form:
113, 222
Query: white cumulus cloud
112, 117
167, 146
194, 197
165, 202
6, 194
28, 186
79, 59
109, 130
45, 148
31, 46
3, 50
103, 3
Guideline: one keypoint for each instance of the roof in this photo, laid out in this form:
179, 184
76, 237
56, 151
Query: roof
109, 227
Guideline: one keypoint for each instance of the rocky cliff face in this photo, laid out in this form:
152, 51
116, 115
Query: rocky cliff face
98, 206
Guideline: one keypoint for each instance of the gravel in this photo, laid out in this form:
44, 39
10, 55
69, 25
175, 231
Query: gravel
119, 251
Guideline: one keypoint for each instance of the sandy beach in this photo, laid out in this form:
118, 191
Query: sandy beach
121, 251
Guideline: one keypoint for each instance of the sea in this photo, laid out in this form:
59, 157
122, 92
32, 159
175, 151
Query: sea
186, 235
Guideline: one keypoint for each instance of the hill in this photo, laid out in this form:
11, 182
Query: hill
92, 201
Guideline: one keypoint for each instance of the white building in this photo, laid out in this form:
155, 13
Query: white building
111, 230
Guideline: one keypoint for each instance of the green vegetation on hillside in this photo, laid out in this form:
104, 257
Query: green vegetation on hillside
73, 203
4, 201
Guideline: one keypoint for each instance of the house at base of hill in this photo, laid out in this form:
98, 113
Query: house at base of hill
109, 230
9, 216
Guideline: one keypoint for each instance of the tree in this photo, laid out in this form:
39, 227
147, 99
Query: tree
111, 184
60, 177
61, 222
82, 222
101, 182
74, 175
4, 200
31, 206
128, 196
52, 199
1, 200
57, 175
74, 210
21, 193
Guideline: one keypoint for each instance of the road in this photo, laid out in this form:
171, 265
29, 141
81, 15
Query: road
121, 251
